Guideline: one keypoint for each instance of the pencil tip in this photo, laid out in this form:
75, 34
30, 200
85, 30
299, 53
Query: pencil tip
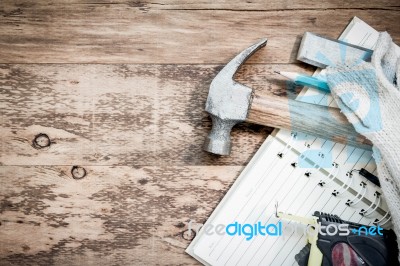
277, 72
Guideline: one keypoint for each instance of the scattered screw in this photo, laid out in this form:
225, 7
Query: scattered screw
78, 172
41, 141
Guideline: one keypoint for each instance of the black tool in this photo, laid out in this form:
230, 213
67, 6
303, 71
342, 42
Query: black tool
363, 245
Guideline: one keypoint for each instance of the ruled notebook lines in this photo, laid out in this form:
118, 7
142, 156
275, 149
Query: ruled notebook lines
296, 193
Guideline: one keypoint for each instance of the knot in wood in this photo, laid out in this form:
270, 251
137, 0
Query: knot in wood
41, 141
189, 234
78, 172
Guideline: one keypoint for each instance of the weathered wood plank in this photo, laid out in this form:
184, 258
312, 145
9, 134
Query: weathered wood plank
275, 5
237, 5
136, 129
137, 33
120, 114
114, 215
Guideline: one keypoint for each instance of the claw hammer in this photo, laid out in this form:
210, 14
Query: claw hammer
230, 102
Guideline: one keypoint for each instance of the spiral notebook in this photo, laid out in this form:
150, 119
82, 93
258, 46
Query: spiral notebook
302, 174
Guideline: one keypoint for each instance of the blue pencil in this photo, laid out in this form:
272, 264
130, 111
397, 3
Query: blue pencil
307, 81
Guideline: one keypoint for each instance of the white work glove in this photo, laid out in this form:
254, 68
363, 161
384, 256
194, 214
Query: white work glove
368, 94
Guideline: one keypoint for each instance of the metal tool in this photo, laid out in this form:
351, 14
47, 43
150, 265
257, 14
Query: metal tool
230, 102
333, 241
322, 51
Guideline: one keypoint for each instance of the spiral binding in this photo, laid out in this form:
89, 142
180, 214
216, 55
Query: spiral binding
372, 208
308, 173
288, 145
316, 168
384, 220
344, 186
323, 181
360, 195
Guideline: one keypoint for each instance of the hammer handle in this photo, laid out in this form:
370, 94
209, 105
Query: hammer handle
316, 120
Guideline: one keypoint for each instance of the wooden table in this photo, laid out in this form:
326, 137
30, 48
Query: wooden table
103, 117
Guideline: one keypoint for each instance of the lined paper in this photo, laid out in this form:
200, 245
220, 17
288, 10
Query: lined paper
273, 179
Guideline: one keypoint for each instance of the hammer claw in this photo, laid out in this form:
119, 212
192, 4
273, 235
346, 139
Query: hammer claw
233, 66
228, 102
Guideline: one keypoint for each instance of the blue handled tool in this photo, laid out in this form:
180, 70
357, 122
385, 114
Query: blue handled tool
307, 81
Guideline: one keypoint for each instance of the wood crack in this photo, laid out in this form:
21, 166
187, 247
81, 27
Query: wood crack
395, 8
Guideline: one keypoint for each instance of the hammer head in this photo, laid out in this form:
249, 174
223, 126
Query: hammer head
228, 102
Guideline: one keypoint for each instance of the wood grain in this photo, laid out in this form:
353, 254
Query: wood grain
135, 32
115, 215
121, 114
237, 5
122, 172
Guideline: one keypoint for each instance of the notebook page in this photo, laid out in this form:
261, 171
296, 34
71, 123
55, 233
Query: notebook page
273, 179
246, 177
339, 161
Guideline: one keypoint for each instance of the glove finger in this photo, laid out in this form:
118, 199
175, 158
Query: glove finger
384, 59
356, 92
382, 46
386, 54
351, 116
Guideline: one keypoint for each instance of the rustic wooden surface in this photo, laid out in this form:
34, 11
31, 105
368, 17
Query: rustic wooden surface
119, 89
